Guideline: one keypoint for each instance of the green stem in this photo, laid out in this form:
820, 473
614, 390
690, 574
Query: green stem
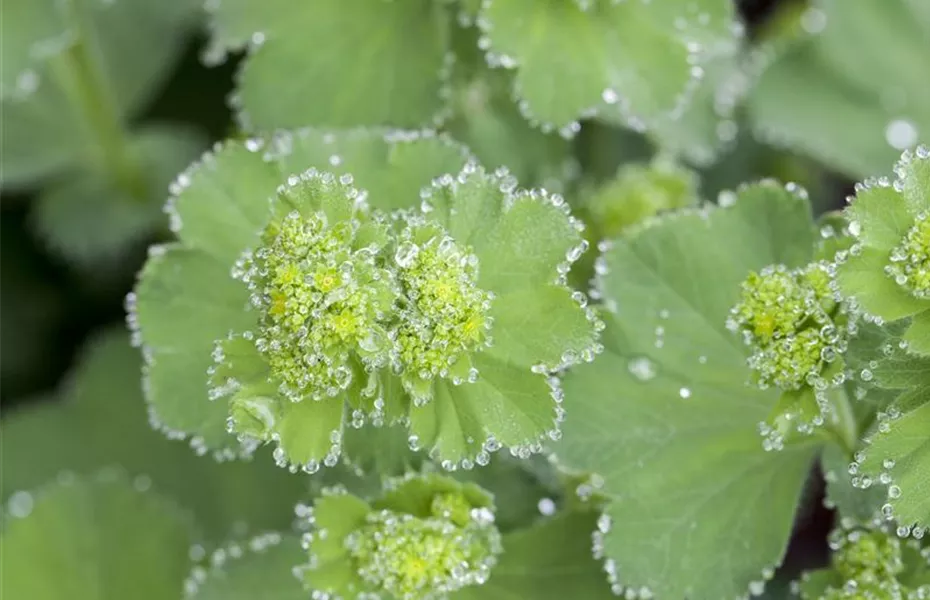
88, 86
843, 426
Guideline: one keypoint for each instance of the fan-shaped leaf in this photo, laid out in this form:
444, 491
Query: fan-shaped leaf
666, 415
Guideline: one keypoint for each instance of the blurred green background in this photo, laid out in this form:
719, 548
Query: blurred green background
50, 307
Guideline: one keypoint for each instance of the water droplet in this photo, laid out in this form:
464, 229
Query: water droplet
643, 368
546, 506
20, 504
901, 134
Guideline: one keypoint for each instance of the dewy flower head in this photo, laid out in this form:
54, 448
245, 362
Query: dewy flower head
910, 260
425, 537
416, 558
793, 324
444, 314
887, 270
869, 562
322, 300
411, 317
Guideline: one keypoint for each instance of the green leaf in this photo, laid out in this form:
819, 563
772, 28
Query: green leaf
863, 277
261, 568
307, 429
708, 125
28, 30
901, 448
882, 216
918, 334
665, 415
394, 51
811, 123
98, 68
631, 58
133, 59
539, 325
391, 166
185, 301
550, 560
852, 97
339, 514
72, 540
509, 405
516, 488
220, 204
485, 117
860, 504
89, 220
101, 420
532, 237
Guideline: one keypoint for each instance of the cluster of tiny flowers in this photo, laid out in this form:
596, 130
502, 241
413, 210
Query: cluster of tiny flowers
445, 313
321, 299
414, 558
788, 319
910, 260
870, 562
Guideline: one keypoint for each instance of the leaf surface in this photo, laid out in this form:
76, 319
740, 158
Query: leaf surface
666, 416
101, 420
74, 542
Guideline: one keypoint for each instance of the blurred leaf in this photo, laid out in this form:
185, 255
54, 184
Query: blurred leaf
102, 420
638, 192
71, 93
631, 59
29, 30
263, 570
91, 221
516, 490
851, 97
93, 540
380, 63
709, 124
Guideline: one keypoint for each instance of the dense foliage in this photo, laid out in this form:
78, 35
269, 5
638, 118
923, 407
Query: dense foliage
497, 299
